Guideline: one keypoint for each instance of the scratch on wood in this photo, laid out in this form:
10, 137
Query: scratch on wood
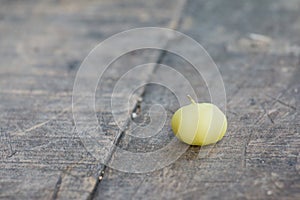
281, 102
20, 133
270, 118
245, 149
138, 188
7, 139
264, 114
176, 19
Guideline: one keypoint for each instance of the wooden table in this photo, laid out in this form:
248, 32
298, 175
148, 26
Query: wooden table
256, 46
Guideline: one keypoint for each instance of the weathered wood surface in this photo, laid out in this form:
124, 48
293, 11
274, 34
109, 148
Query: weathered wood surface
42, 45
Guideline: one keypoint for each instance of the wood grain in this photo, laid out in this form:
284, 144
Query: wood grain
42, 47
259, 156
256, 46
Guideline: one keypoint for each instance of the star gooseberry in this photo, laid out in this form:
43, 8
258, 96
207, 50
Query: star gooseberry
199, 123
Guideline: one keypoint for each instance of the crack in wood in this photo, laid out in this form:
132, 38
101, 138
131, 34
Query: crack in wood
173, 24
57, 187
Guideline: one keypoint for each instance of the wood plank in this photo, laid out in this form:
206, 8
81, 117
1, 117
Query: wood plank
42, 46
259, 157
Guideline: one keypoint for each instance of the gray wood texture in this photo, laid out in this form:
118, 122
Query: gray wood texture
256, 46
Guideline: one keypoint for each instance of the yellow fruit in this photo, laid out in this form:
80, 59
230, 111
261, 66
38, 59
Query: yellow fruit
199, 124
